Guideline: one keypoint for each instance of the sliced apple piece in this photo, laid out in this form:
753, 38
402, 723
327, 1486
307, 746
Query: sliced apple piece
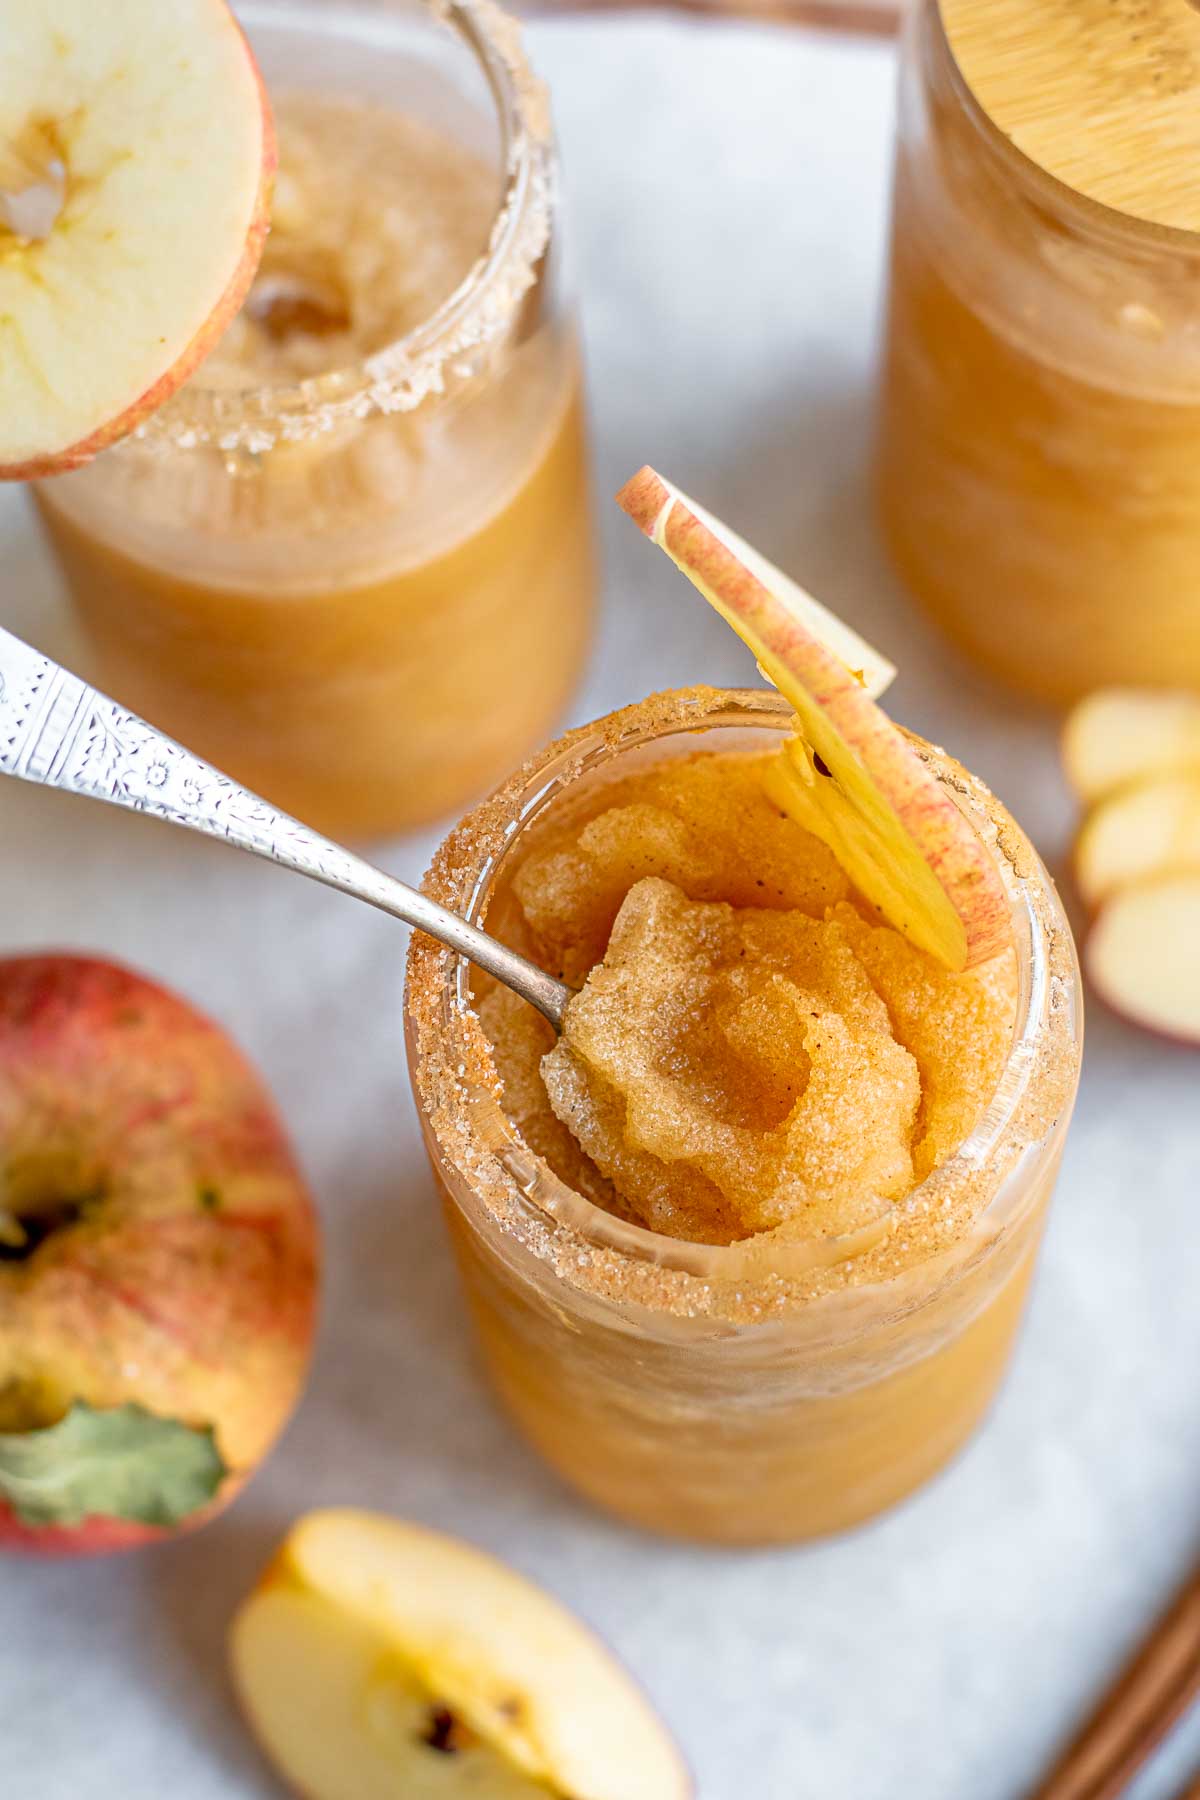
648, 499
1140, 834
378, 1660
136, 157
1118, 736
848, 775
1141, 956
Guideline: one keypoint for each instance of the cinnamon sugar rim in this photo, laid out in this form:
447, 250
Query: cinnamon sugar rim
957, 1214
480, 311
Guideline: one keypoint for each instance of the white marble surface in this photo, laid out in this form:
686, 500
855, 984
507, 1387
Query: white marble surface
729, 190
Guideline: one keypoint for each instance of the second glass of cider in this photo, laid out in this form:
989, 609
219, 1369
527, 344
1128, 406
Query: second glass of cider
1039, 455
351, 562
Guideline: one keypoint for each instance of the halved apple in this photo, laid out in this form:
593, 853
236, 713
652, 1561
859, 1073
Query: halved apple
136, 157
848, 774
1140, 834
1141, 956
378, 1659
1118, 736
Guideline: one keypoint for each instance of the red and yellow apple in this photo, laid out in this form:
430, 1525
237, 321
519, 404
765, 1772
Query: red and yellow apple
378, 1659
847, 774
136, 161
158, 1261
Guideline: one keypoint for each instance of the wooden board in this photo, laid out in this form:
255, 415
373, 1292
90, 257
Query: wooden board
1102, 94
880, 18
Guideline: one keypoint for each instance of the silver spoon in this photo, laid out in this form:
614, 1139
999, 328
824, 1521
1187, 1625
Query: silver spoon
58, 732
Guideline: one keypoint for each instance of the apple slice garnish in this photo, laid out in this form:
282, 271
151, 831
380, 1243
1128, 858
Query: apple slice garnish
738, 581
1119, 736
136, 158
1141, 956
848, 774
1139, 834
378, 1659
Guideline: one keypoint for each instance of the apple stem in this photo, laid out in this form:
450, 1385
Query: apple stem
13, 1235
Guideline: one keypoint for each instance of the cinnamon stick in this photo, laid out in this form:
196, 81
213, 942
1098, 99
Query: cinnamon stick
1156, 1687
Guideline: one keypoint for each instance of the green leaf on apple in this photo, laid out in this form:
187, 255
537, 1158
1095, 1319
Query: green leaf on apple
122, 1462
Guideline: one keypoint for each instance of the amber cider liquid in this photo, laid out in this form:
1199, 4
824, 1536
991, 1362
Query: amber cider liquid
1039, 453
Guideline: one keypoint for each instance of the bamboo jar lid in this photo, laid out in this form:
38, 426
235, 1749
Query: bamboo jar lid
1104, 95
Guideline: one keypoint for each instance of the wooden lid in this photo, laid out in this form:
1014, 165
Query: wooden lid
1102, 94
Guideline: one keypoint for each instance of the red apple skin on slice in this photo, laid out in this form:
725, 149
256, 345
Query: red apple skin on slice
176, 1268
1141, 957
169, 359
928, 851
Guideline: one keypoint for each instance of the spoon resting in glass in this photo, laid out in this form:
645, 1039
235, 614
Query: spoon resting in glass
58, 732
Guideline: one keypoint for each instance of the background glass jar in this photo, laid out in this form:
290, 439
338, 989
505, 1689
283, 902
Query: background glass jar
1039, 454
356, 571
743, 1393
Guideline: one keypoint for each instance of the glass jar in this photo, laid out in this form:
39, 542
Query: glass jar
1039, 449
744, 1393
361, 582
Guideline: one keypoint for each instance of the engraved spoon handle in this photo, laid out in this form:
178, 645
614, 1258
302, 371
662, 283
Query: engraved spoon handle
58, 732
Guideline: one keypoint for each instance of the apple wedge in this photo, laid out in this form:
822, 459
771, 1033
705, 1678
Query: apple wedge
648, 498
848, 774
1139, 835
378, 1659
1141, 956
1119, 736
136, 158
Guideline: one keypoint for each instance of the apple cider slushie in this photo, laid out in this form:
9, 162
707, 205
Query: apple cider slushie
351, 562
747, 1245
1039, 437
